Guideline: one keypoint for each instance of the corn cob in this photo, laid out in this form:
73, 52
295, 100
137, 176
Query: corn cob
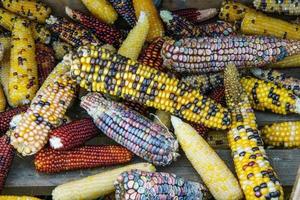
6, 117
7, 19
45, 61
232, 11
136, 107
256, 175
91, 66
213, 171
95, 186
290, 61
156, 25
216, 29
278, 78
6, 158
196, 15
41, 33
51, 161
60, 48
44, 113
106, 14
287, 7
133, 44
269, 96
106, 33
146, 139
2, 100
125, 9
72, 134
70, 32
4, 75
134, 184
23, 74
285, 134
7, 197
211, 54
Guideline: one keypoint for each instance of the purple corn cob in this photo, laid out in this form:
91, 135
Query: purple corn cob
146, 139
138, 185
212, 54
125, 9
196, 15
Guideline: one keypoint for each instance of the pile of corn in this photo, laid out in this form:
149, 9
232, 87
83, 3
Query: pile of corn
154, 84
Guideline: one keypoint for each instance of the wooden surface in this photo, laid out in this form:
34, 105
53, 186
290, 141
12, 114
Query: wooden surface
23, 179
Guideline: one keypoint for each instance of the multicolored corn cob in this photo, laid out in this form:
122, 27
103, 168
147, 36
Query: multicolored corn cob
6, 197
51, 161
6, 117
286, 7
30, 9
106, 14
133, 44
61, 48
256, 175
96, 69
41, 33
125, 9
218, 28
211, 54
285, 134
44, 113
290, 61
232, 11
265, 95
156, 25
97, 185
138, 185
23, 73
137, 107
213, 171
45, 61
259, 24
2, 100
70, 32
6, 158
196, 15
73, 134
146, 139
279, 78
106, 33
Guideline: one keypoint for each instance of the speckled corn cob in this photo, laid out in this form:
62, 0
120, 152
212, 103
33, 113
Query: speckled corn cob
99, 70
125, 9
285, 134
255, 24
73, 134
146, 139
71, 32
196, 15
106, 14
137, 107
256, 175
2, 100
41, 33
44, 113
45, 61
23, 74
6, 117
4, 76
211, 54
6, 197
7, 19
51, 161
60, 48
133, 44
265, 95
286, 7
6, 158
156, 25
233, 11
213, 171
138, 185
216, 29
106, 33
31, 9
290, 61
279, 78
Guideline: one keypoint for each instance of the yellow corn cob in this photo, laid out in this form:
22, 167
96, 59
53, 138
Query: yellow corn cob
4, 74
290, 61
285, 134
2, 100
213, 171
286, 7
23, 80
259, 24
97, 185
132, 45
107, 13
31, 9
256, 175
156, 25
6, 197
265, 95
7, 19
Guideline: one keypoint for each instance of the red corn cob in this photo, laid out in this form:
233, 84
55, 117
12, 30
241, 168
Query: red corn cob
125, 9
195, 15
137, 107
6, 116
103, 31
6, 157
45, 61
73, 134
51, 161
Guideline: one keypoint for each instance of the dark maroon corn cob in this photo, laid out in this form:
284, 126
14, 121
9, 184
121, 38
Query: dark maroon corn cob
6, 158
125, 9
6, 117
196, 15
106, 33
137, 107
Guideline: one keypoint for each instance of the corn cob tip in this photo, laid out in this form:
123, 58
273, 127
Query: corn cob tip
175, 121
51, 20
55, 142
68, 11
166, 16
